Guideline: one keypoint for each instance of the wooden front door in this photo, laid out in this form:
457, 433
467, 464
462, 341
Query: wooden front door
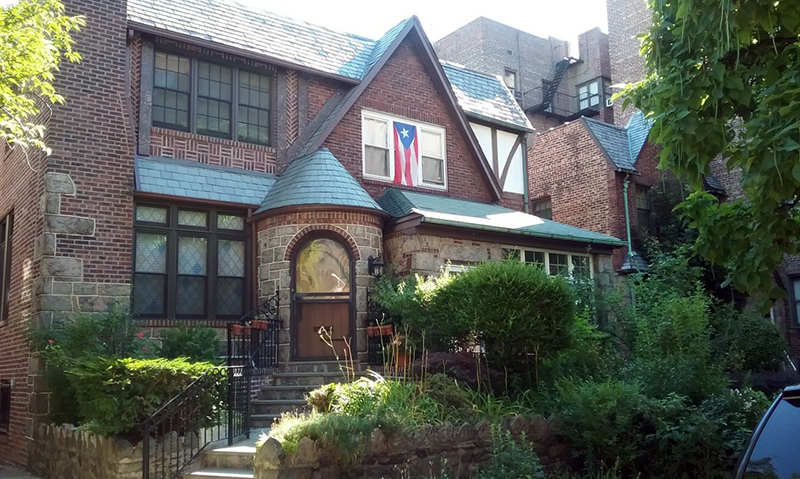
322, 300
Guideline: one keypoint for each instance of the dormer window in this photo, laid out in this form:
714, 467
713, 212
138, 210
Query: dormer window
211, 99
403, 151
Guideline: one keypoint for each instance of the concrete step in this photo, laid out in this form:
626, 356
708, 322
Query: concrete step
233, 457
262, 420
312, 378
219, 473
285, 392
320, 366
277, 406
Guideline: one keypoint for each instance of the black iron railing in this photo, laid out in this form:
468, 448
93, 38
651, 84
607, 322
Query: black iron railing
212, 408
253, 340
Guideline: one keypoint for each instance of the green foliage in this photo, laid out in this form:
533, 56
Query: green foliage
34, 35
511, 459
198, 343
344, 432
115, 395
613, 424
445, 391
745, 341
722, 81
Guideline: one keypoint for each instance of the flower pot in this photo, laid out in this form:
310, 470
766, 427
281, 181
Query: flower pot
237, 329
258, 324
245, 330
385, 330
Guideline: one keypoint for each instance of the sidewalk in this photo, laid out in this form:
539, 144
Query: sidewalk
8, 472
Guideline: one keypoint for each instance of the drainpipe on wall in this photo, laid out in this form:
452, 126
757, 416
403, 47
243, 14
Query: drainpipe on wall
627, 216
525, 194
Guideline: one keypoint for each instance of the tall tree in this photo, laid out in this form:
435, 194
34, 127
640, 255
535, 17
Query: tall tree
723, 79
34, 38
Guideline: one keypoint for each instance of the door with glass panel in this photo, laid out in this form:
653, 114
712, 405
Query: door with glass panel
322, 299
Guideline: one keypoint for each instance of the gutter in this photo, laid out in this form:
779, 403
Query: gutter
627, 215
610, 242
525, 186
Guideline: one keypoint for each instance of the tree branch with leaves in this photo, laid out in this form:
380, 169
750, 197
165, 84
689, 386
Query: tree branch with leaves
34, 38
723, 80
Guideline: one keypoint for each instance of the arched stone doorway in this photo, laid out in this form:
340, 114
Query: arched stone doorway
322, 294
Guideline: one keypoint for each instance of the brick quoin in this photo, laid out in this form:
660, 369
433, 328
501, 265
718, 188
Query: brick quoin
404, 88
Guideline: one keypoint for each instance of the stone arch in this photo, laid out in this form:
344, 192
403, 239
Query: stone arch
341, 233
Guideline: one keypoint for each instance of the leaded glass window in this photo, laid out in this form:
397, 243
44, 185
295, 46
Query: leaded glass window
254, 107
213, 99
171, 90
189, 263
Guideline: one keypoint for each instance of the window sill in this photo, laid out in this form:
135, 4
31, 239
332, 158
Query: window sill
377, 180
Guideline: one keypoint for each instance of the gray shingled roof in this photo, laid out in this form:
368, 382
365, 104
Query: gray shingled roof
317, 179
614, 140
243, 27
485, 97
188, 179
437, 209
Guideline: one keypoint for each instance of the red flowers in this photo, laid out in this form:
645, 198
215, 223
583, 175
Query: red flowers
140, 335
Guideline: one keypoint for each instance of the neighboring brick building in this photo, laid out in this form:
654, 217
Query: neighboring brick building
551, 86
194, 173
626, 20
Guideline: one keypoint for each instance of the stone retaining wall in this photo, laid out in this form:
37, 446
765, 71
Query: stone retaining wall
428, 452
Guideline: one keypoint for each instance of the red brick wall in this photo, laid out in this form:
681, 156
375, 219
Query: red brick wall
567, 165
320, 91
20, 189
404, 88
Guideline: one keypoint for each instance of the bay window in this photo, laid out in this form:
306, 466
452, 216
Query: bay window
189, 263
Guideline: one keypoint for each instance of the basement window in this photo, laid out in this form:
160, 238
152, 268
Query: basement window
5, 407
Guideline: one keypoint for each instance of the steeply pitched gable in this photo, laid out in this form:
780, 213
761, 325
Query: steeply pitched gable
614, 142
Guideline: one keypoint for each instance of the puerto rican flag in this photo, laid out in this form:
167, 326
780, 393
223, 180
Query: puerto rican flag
406, 154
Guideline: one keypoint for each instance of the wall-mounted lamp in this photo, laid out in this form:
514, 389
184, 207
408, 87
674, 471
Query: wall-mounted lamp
375, 266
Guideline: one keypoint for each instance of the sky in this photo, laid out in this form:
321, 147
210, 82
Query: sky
563, 19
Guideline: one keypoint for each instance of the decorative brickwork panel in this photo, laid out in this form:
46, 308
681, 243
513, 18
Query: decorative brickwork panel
212, 151
292, 112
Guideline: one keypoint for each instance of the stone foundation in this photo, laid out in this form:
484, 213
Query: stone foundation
428, 452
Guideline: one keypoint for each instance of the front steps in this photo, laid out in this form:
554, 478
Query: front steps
290, 386
222, 462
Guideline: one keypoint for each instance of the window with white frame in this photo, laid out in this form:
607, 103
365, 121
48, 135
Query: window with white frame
403, 151
558, 263
589, 95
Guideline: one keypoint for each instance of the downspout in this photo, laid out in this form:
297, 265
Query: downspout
525, 193
627, 217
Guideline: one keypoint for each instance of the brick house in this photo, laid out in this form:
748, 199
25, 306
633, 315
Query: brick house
551, 86
628, 18
209, 156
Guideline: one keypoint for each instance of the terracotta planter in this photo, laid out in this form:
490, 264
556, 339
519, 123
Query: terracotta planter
385, 330
259, 324
236, 329
402, 359
245, 330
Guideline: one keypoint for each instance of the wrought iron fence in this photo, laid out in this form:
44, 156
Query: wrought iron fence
253, 340
216, 406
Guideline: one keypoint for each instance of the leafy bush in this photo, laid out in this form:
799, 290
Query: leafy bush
115, 395
198, 343
511, 459
611, 423
745, 341
518, 310
446, 391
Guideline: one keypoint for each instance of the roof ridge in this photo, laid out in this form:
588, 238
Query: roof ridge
254, 9
611, 125
449, 64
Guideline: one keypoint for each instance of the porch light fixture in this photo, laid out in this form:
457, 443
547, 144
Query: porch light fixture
375, 266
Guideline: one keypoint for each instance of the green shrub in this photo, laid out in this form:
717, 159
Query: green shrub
522, 314
115, 395
745, 341
511, 459
346, 433
198, 343
446, 391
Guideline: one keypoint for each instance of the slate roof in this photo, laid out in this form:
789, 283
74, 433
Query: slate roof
444, 210
485, 97
246, 28
317, 179
188, 179
638, 128
614, 140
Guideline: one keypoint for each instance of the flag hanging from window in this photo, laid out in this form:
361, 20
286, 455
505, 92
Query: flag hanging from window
406, 154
